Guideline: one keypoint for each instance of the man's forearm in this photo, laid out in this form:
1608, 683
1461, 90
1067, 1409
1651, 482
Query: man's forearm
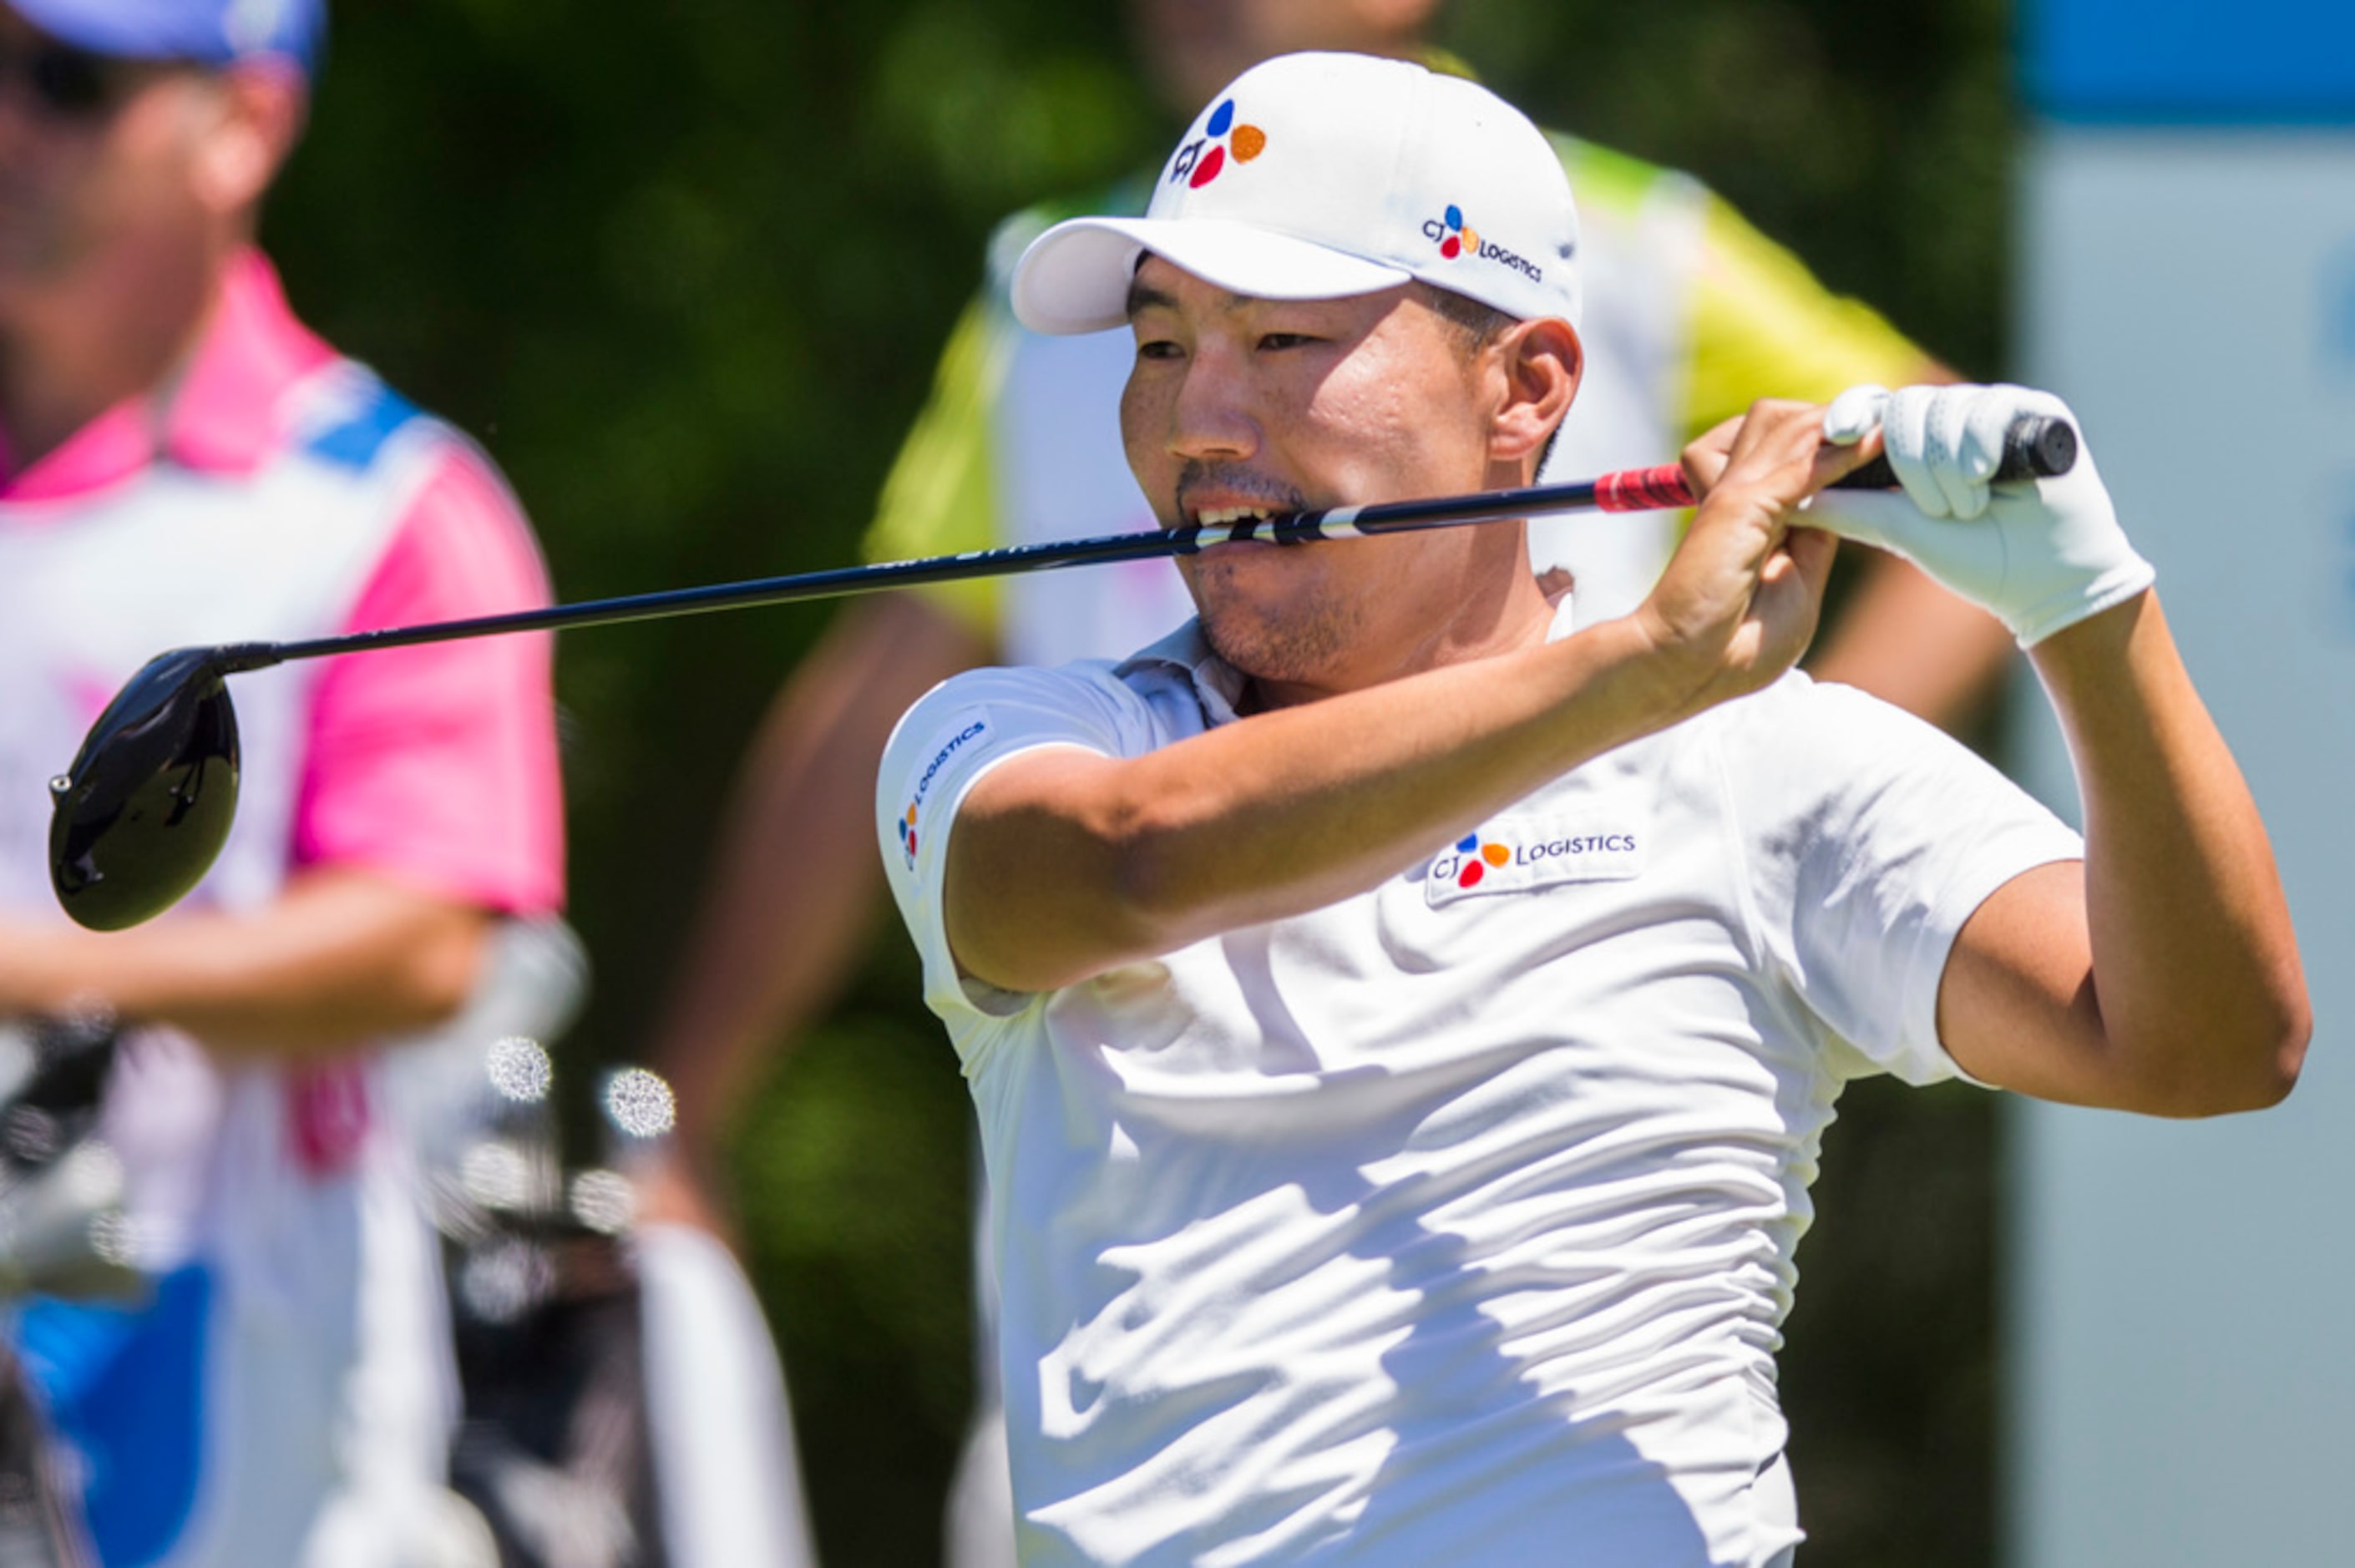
1064, 863
1280, 813
341, 958
2195, 962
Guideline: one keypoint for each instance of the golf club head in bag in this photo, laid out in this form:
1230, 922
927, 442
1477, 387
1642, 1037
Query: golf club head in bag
62, 1229
41, 1525
624, 1401
62, 1234
552, 1449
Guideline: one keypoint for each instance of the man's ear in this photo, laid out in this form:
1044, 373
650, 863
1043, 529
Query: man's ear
262, 105
1542, 361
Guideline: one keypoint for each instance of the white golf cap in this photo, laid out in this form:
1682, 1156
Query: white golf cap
1316, 177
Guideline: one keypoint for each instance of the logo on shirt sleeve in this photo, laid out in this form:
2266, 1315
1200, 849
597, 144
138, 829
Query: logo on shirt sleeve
960, 737
1519, 854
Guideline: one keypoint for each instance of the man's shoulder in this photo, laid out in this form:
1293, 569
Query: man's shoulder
1122, 707
1795, 706
443, 532
1008, 704
1042, 686
264, 369
346, 418
1800, 743
975, 720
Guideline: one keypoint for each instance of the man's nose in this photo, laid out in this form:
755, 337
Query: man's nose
1214, 415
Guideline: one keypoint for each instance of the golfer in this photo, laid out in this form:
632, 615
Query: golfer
1401, 1027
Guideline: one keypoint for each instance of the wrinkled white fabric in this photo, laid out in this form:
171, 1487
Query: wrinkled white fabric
2039, 556
1458, 1215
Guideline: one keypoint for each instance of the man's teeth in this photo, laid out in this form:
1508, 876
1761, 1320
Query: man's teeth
1212, 516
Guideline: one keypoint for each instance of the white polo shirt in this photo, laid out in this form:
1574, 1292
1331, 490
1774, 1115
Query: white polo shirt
1457, 1216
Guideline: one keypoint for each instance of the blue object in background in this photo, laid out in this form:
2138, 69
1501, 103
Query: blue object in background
2261, 62
124, 1388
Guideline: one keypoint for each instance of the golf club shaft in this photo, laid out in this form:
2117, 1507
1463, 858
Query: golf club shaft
2034, 447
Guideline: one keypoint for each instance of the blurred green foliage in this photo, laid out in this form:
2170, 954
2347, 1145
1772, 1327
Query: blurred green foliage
684, 268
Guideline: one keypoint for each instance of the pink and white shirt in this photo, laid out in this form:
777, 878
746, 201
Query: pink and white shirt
434, 765
270, 490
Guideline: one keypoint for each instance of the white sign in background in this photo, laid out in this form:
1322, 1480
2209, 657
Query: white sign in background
2182, 1322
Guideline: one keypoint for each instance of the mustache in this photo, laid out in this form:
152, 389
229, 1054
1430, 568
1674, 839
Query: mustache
1233, 479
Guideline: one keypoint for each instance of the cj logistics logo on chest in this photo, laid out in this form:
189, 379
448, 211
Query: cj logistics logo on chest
1511, 857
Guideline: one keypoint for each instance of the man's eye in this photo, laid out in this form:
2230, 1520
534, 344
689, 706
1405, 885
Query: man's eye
1157, 348
1275, 340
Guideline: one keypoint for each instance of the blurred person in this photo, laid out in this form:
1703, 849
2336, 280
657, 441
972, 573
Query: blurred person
1018, 443
182, 462
1402, 1017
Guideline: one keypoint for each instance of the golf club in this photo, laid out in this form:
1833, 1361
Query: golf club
147, 804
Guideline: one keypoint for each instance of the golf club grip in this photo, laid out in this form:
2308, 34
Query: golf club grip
2037, 446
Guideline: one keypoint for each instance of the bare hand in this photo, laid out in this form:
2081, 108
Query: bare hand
1739, 600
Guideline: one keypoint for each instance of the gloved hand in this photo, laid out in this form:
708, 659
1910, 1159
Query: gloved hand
2039, 556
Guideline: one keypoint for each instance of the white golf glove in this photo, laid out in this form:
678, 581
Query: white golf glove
2039, 556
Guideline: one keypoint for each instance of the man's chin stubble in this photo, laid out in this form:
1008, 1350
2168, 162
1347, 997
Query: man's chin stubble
1300, 647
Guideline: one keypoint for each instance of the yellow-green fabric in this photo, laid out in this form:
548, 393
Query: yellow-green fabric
1763, 326
941, 496
1759, 325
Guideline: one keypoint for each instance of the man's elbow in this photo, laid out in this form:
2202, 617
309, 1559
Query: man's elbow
1039, 907
1165, 883
2285, 1058
2255, 1069
2277, 1048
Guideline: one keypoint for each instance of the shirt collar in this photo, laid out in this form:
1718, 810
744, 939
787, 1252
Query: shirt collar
224, 412
1219, 686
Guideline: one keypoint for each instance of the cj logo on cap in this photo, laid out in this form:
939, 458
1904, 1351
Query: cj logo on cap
1455, 238
1199, 162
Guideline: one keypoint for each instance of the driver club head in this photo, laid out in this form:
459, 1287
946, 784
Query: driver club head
139, 817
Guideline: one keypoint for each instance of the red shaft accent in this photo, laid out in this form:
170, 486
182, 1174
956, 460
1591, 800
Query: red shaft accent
1643, 489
